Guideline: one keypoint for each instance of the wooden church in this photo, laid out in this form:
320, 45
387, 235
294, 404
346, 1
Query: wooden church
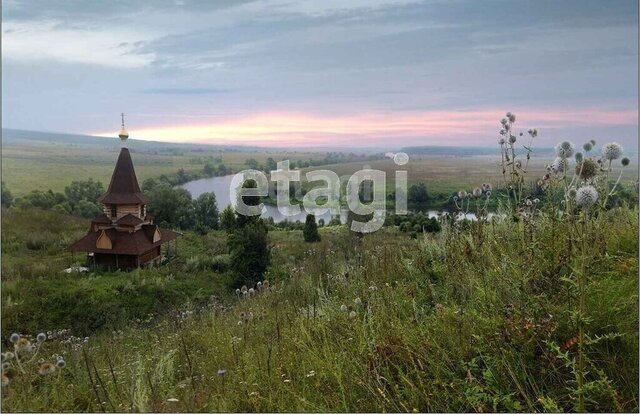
124, 236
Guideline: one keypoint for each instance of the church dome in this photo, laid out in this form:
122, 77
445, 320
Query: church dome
124, 134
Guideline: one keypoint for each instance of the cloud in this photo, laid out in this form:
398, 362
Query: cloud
373, 128
185, 91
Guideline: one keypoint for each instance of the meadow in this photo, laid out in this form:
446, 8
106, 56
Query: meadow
458, 321
532, 309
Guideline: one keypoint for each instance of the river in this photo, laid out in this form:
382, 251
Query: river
220, 186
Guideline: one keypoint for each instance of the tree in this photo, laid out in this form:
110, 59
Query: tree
209, 169
228, 219
249, 252
82, 195
172, 206
310, 231
83, 190
7, 198
271, 165
206, 211
418, 194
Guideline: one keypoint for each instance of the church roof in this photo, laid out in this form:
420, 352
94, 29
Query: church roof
123, 242
101, 219
129, 220
124, 188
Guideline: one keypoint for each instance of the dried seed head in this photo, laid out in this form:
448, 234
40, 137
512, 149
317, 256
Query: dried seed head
47, 368
612, 151
565, 149
586, 196
587, 169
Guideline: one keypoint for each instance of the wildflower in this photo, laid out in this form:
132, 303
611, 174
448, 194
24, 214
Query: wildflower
61, 363
9, 356
512, 117
612, 151
512, 139
588, 146
372, 288
559, 165
41, 337
501, 141
504, 121
23, 344
586, 196
244, 289
587, 169
486, 187
625, 161
578, 156
265, 284
5, 380
251, 291
565, 149
593, 142
172, 400
14, 338
259, 285
357, 301
572, 192
477, 192
237, 292
352, 315
344, 308
221, 372
47, 368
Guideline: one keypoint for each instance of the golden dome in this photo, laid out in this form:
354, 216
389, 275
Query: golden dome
124, 134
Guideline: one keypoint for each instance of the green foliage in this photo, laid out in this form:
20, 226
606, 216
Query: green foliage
171, 206
249, 250
417, 194
310, 231
7, 198
206, 211
228, 219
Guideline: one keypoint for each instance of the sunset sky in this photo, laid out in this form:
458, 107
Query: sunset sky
332, 73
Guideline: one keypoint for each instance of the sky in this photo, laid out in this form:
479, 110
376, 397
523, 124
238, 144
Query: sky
329, 73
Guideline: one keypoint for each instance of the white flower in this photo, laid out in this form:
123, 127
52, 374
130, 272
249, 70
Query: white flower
560, 164
612, 151
565, 149
586, 196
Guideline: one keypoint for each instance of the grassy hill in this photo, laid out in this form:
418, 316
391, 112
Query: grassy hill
479, 318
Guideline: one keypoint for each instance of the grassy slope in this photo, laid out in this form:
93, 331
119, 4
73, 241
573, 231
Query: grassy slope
468, 320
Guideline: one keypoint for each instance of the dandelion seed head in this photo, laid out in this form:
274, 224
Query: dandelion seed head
586, 196
61, 363
237, 292
462, 194
477, 192
41, 337
588, 146
14, 337
612, 151
565, 149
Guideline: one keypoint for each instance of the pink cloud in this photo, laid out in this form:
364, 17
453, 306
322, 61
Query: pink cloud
280, 129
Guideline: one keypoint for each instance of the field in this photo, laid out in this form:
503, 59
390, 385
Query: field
458, 321
533, 311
